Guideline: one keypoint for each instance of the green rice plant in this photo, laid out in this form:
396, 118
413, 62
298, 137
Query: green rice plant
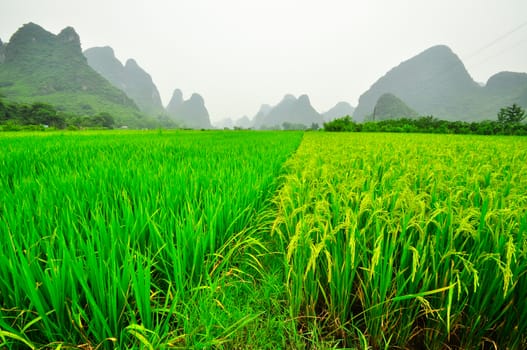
133, 239
405, 240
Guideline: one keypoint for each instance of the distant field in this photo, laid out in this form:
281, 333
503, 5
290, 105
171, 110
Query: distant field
172, 239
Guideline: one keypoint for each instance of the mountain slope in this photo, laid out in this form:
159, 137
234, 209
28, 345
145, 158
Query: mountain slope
2, 52
259, 117
289, 110
243, 122
509, 83
130, 78
341, 109
389, 106
190, 113
41, 66
435, 82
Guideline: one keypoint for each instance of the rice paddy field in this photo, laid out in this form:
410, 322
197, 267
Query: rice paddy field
262, 240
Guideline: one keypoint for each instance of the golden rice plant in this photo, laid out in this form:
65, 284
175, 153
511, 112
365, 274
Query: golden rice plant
410, 241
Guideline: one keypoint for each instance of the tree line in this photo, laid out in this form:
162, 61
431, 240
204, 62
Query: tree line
38, 116
509, 122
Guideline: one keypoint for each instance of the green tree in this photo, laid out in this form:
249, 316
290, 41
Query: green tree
341, 124
102, 119
44, 114
511, 115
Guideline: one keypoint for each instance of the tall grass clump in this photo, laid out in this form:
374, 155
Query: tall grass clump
398, 241
133, 239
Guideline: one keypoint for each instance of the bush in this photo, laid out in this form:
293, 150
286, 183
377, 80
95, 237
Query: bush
341, 124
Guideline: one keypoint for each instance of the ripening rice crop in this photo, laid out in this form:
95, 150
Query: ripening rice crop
406, 241
159, 240
136, 239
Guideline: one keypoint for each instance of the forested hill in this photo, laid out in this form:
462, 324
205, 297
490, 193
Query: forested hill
42, 67
436, 82
388, 107
130, 78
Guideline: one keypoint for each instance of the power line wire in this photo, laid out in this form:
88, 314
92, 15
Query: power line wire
502, 51
495, 41
443, 72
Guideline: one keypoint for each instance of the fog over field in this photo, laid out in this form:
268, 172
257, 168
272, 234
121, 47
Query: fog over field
241, 54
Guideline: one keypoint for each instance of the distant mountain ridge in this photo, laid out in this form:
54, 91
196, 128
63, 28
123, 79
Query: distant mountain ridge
507, 82
138, 85
341, 109
290, 110
39, 66
230, 123
130, 78
436, 82
190, 113
259, 117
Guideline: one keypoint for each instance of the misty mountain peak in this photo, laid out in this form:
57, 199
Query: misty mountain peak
51, 68
289, 97
176, 100
191, 113
290, 110
507, 81
130, 78
131, 64
304, 99
32, 42
69, 35
30, 29
101, 51
103, 60
341, 109
29, 35
439, 49
436, 74
197, 98
264, 109
343, 104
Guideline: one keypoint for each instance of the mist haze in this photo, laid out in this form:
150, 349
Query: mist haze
239, 55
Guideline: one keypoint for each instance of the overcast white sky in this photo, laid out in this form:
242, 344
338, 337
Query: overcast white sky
239, 54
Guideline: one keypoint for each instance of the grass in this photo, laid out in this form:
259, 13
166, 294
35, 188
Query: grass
262, 240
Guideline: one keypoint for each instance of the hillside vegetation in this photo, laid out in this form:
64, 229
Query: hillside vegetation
388, 107
436, 82
43, 67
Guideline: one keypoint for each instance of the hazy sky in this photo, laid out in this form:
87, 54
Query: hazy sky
239, 54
